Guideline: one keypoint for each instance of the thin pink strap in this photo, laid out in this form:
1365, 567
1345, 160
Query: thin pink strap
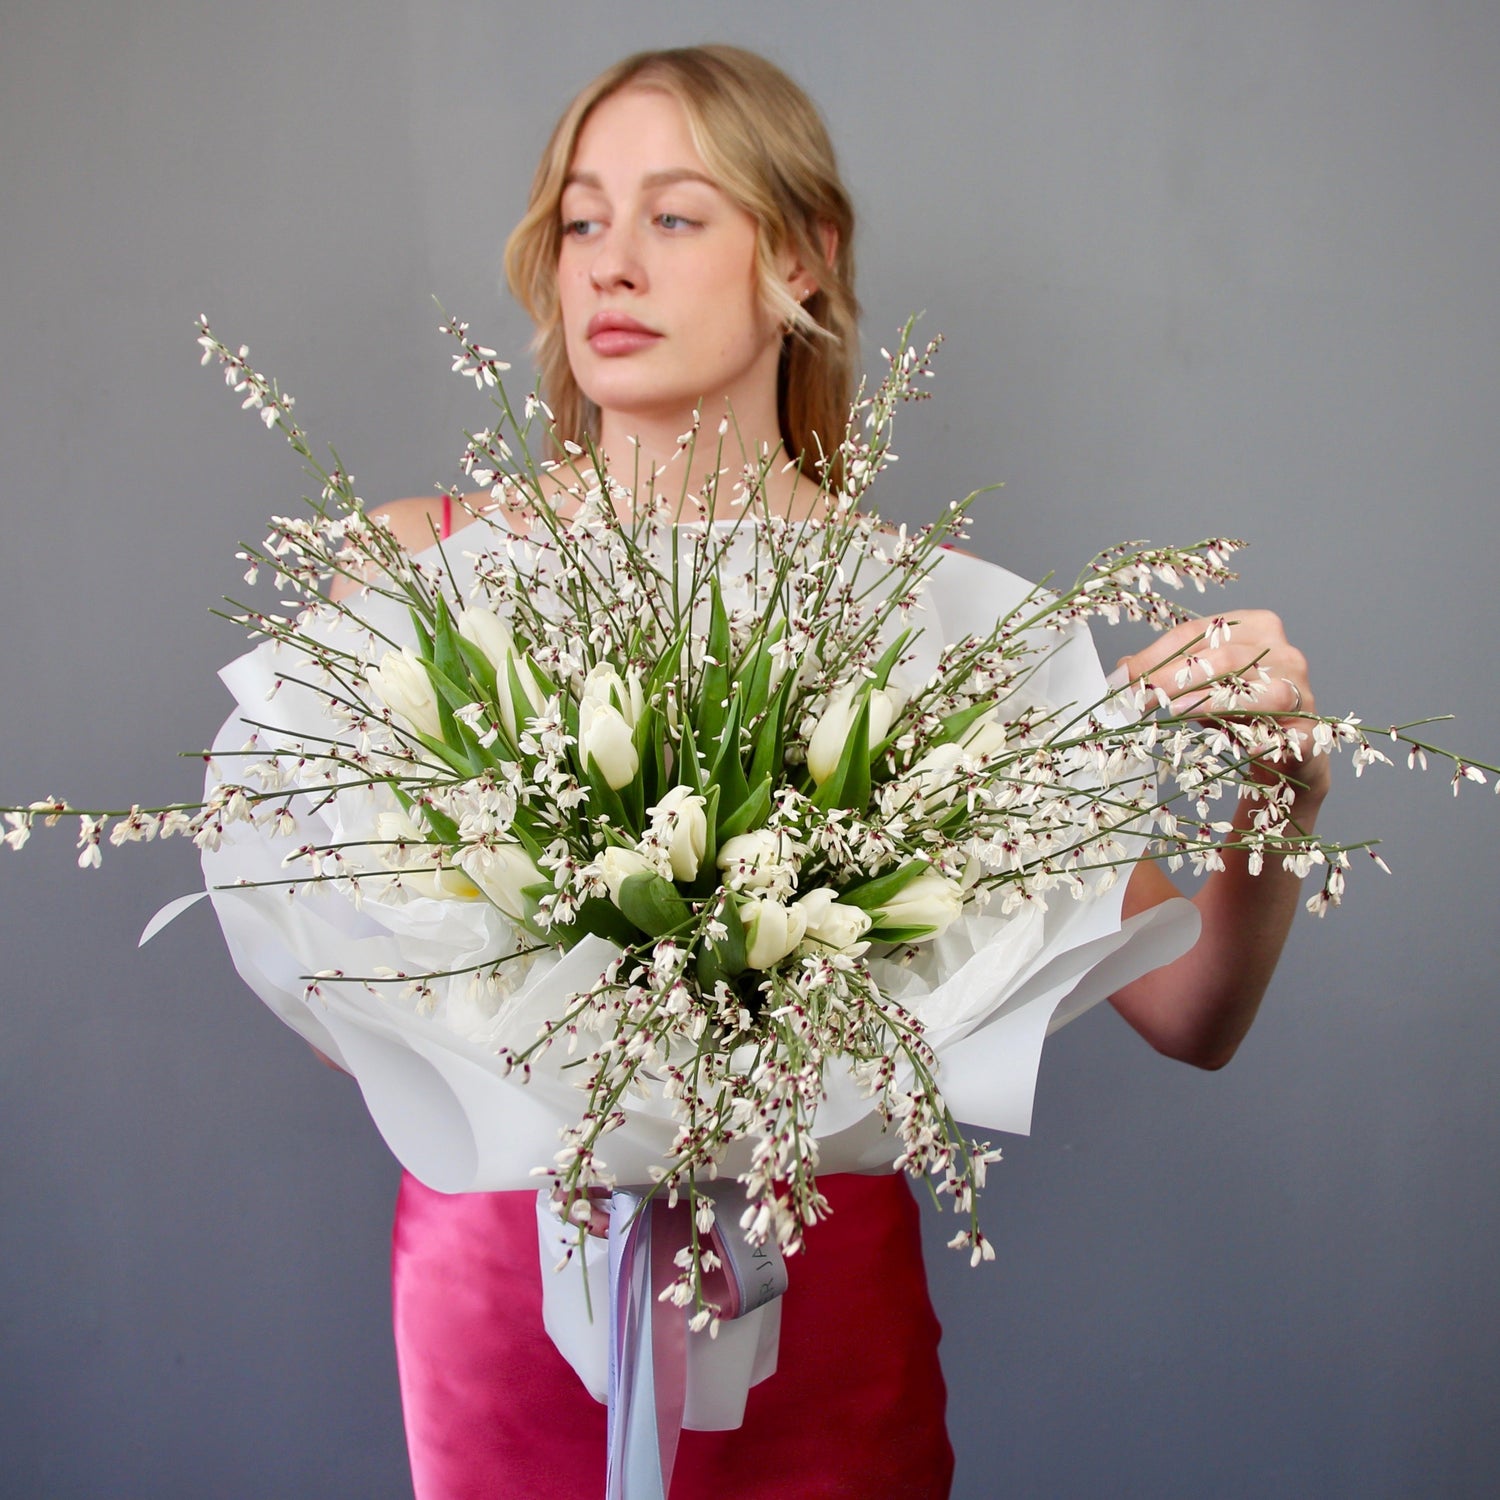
447, 517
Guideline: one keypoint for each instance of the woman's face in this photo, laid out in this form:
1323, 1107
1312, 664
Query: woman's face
656, 275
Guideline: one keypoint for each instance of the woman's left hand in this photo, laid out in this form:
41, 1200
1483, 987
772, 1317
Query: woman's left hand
1250, 643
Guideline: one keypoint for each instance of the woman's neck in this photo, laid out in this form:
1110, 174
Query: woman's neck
702, 471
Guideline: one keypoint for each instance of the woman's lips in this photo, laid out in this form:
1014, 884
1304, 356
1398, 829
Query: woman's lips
612, 334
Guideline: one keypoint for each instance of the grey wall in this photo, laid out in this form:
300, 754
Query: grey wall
1203, 268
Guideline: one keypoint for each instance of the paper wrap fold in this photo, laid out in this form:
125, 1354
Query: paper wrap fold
988, 990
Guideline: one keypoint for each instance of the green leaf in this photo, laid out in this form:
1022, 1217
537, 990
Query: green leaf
605, 800
755, 671
649, 737
889, 658
956, 726
601, 918
481, 668
750, 814
880, 934
713, 687
725, 958
445, 654
445, 752
424, 635
874, 894
708, 873
654, 904
728, 773
689, 768
439, 822
770, 734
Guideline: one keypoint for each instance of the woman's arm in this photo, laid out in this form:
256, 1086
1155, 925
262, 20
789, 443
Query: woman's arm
1199, 1008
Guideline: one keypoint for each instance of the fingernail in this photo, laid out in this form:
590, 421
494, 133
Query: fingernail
1117, 679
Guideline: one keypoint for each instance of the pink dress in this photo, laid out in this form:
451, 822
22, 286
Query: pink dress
854, 1409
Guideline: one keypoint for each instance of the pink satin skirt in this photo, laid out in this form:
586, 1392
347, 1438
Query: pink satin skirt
494, 1412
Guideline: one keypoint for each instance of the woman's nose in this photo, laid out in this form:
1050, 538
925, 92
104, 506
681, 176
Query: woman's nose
617, 261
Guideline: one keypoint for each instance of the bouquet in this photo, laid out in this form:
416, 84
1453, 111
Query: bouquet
641, 839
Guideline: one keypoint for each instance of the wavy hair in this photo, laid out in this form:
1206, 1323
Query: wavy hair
766, 146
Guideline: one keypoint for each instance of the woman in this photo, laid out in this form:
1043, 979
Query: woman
688, 250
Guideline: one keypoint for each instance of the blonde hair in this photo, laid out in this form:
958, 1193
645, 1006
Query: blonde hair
767, 147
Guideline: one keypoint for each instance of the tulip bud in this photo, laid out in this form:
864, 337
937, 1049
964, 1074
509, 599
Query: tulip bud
987, 737
404, 687
931, 900
752, 861
933, 774
502, 871
831, 922
616, 866
825, 746
771, 930
680, 825
486, 630
422, 872
606, 740
607, 712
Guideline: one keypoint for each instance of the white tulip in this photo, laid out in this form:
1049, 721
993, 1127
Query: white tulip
831, 922
987, 736
605, 686
606, 739
825, 746
422, 872
933, 773
679, 823
752, 861
405, 688
771, 930
931, 900
615, 866
486, 630
607, 712
502, 871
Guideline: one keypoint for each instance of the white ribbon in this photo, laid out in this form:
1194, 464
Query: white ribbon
648, 1336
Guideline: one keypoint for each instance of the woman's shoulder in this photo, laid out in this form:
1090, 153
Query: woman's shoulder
419, 520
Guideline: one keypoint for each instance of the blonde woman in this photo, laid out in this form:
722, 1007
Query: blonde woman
688, 245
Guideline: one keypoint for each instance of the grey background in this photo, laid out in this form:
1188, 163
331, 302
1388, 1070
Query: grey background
1203, 269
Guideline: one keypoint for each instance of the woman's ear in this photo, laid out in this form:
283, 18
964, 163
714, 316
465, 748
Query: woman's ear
803, 280
828, 234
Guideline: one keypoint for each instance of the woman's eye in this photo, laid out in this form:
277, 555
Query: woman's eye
578, 227
676, 221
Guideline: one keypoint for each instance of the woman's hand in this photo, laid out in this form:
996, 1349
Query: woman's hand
1250, 643
1199, 1008
598, 1223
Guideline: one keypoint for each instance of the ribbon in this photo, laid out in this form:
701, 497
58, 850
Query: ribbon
648, 1336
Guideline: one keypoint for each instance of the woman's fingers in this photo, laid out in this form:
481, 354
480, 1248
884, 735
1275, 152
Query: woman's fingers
1241, 663
598, 1210
1215, 666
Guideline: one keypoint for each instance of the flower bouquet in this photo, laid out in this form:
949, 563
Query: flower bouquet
639, 841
